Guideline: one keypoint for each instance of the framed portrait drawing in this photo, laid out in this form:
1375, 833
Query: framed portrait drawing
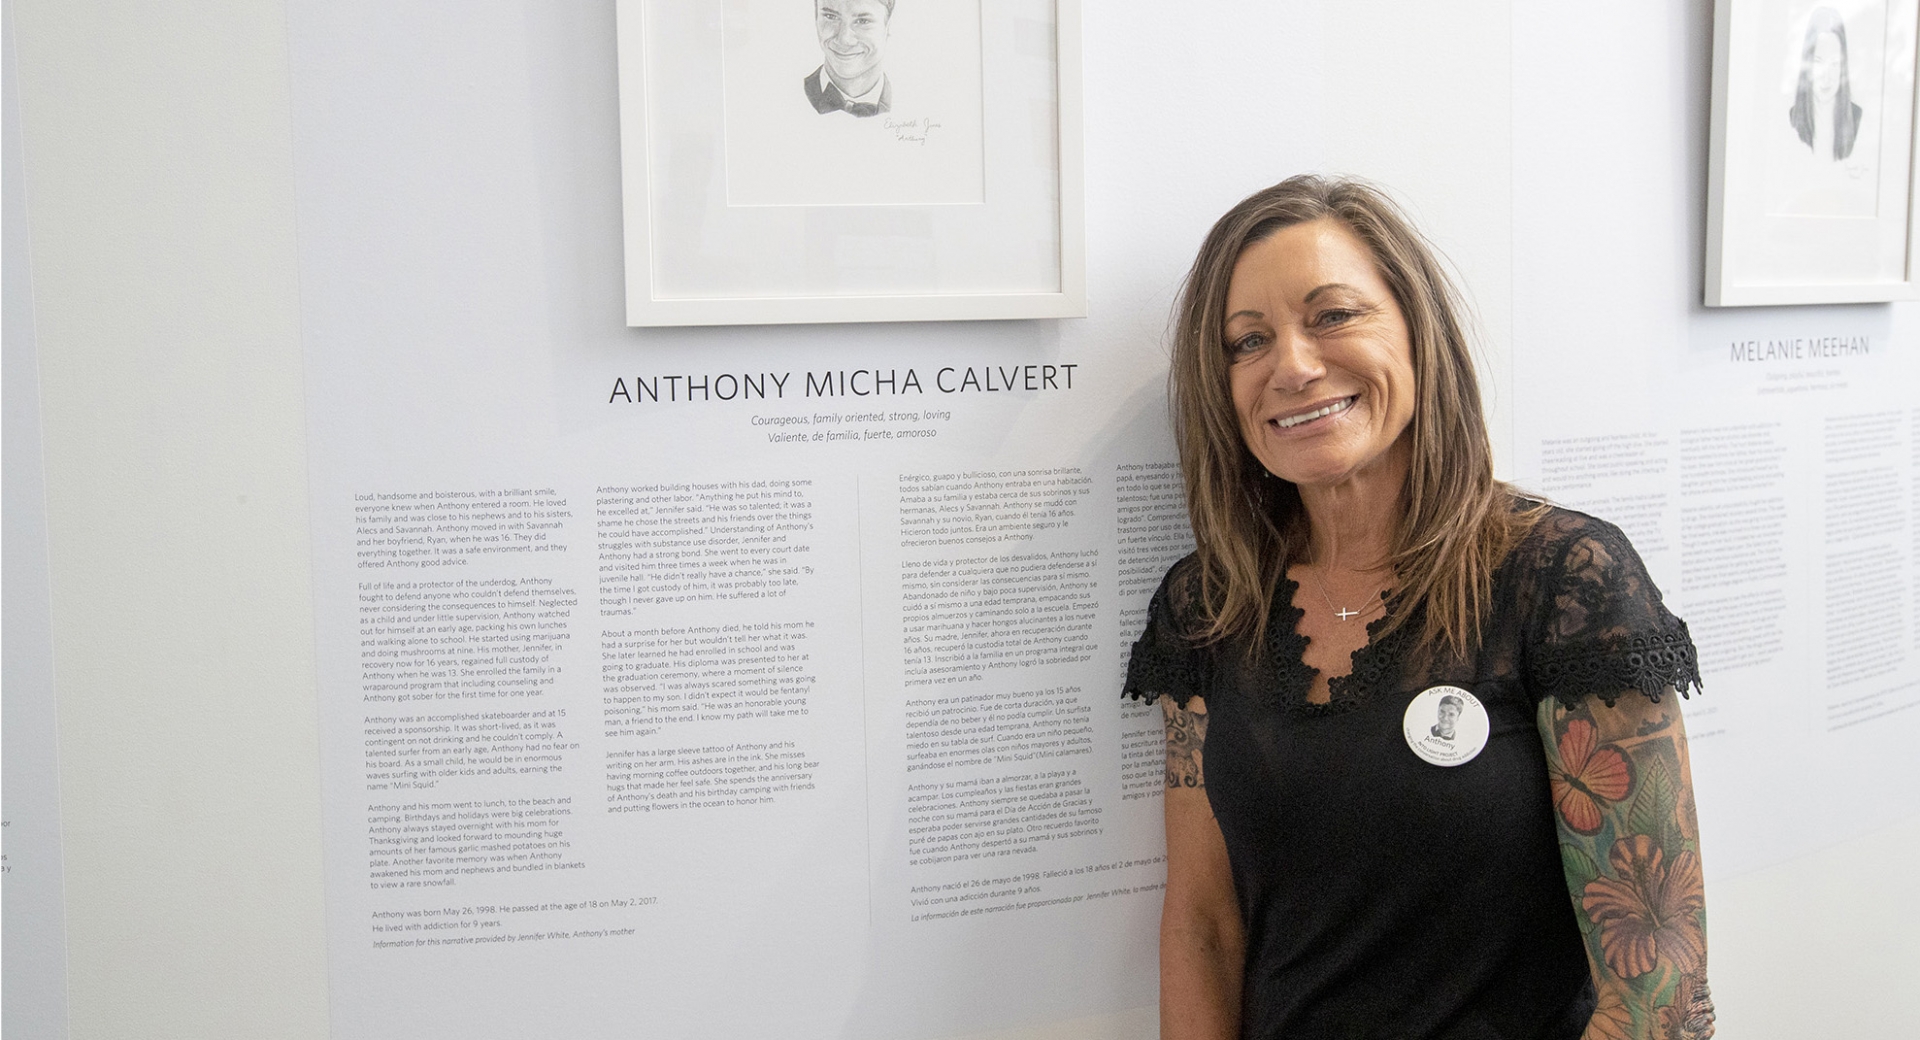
1810, 195
850, 160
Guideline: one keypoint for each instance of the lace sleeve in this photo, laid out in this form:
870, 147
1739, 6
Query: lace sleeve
1599, 627
1165, 660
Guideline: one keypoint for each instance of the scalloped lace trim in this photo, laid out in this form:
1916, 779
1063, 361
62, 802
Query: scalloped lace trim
1607, 668
1153, 673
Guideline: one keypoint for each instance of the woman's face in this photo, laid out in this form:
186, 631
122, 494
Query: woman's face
1322, 372
1829, 59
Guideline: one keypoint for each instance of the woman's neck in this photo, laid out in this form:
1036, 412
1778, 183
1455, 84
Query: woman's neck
1352, 523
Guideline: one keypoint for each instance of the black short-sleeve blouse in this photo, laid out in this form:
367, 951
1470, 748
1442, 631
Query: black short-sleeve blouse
1383, 896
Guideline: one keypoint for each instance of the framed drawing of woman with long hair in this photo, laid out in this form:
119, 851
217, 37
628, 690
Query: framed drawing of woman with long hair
1824, 115
1810, 193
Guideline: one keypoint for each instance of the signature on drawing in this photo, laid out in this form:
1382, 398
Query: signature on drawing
912, 131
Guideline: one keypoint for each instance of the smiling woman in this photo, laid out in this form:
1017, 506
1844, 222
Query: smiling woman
1425, 776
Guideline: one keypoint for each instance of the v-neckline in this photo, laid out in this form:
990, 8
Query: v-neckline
1287, 656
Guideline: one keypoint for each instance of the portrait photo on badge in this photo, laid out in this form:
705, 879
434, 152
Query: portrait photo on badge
1445, 725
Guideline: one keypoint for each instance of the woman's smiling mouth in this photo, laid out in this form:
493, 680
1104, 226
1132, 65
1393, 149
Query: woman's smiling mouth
1318, 413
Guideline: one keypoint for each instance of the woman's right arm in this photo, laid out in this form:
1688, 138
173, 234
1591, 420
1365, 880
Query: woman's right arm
1202, 946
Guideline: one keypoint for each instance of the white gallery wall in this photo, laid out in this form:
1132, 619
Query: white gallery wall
283, 256
34, 989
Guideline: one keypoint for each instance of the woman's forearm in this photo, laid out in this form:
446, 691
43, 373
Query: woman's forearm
1202, 943
1200, 979
1630, 847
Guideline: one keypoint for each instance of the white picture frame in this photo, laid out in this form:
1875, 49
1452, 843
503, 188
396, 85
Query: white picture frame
755, 192
1812, 154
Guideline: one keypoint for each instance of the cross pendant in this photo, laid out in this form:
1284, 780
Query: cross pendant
1345, 614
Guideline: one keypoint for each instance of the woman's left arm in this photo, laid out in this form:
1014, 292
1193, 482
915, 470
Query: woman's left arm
1623, 802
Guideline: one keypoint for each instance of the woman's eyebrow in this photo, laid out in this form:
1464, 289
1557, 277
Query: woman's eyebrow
1256, 315
1329, 287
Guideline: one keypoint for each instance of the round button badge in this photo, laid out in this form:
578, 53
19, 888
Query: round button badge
1445, 725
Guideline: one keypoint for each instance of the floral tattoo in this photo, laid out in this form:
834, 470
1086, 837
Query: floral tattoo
1630, 848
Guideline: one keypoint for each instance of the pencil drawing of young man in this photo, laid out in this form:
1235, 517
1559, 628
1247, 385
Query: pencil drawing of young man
852, 76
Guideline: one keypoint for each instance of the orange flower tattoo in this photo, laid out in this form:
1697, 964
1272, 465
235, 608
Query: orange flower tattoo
1648, 910
1586, 776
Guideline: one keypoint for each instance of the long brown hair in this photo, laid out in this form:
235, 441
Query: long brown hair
1458, 522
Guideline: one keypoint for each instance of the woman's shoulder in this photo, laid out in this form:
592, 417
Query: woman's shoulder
1575, 571
1597, 622
1558, 524
1168, 659
1560, 536
1179, 600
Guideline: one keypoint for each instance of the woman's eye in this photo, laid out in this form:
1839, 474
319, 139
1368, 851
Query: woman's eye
1246, 344
1333, 317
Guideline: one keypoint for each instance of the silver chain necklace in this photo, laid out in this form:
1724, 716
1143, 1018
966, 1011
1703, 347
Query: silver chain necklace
1339, 612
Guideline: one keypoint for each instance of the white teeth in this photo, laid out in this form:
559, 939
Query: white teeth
1295, 420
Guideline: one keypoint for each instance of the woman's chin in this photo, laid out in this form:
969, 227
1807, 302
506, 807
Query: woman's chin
1314, 476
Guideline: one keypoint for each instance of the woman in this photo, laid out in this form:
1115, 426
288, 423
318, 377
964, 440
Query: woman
1823, 113
1336, 868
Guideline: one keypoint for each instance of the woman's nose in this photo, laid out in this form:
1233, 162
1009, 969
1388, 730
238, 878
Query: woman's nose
1295, 361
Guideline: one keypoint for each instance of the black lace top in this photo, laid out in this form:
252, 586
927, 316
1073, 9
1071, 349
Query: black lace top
1383, 896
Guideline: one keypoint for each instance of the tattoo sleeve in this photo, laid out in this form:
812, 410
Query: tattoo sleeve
1630, 847
1186, 737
